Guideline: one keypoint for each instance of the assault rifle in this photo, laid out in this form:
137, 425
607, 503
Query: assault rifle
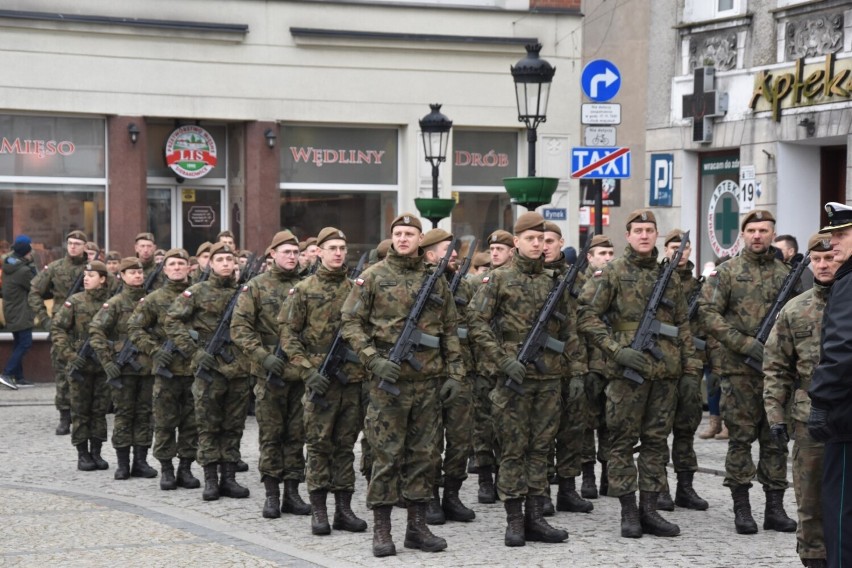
126, 357
786, 292
537, 339
78, 284
692, 311
650, 327
170, 347
411, 337
461, 272
152, 278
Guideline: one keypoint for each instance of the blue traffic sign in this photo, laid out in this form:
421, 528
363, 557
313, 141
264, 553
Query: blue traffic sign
556, 214
600, 80
600, 163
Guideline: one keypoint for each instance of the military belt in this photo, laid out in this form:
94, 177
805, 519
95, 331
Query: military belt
269, 340
665, 329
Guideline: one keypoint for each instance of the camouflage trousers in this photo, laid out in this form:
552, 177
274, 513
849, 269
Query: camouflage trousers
807, 483
402, 431
573, 423
132, 402
89, 405
280, 429
596, 412
484, 442
220, 414
330, 436
639, 413
175, 431
686, 420
455, 433
745, 417
62, 398
366, 452
525, 426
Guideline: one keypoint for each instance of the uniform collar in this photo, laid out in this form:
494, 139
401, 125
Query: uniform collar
405, 262
766, 257
329, 275
642, 261
528, 265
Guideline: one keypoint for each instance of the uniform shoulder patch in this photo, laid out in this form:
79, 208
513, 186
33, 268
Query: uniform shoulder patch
359, 281
597, 273
486, 279
187, 294
291, 291
105, 306
245, 288
67, 304
714, 273
141, 300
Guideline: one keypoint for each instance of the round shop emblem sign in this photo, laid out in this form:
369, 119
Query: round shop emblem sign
723, 219
191, 152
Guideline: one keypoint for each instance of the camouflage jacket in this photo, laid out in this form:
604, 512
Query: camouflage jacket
200, 307
375, 311
146, 325
147, 269
792, 353
578, 361
511, 297
310, 318
254, 327
594, 356
736, 296
690, 284
108, 330
484, 366
618, 294
70, 325
55, 281
463, 295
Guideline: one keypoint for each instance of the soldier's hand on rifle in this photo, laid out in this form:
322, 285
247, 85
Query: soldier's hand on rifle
450, 390
576, 388
77, 363
818, 426
754, 350
112, 370
162, 358
274, 365
629, 357
513, 369
384, 369
317, 382
778, 433
204, 359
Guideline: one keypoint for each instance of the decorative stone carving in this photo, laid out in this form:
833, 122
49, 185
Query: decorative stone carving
817, 35
713, 50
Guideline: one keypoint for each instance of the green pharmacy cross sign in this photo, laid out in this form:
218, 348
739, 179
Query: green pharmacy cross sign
723, 217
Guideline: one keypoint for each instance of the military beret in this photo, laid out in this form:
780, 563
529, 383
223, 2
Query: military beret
97, 266
79, 235
601, 241
434, 237
839, 217
129, 262
244, 253
674, 236
383, 247
221, 248
193, 260
113, 255
819, 243
146, 237
530, 221
225, 233
501, 237
407, 220
756, 216
551, 227
92, 246
641, 216
302, 246
329, 233
177, 253
159, 252
481, 259
203, 247
283, 237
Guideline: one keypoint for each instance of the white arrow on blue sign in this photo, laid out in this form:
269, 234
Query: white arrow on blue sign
600, 80
600, 163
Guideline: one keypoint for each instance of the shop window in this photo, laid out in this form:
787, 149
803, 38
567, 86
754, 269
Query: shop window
480, 214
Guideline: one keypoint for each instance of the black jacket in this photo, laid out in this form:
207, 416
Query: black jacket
17, 274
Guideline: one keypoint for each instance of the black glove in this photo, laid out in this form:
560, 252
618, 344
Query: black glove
162, 358
112, 370
818, 426
632, 359
755, 350
383, 368
274, 365
779, 435
204, 359
513, 369
450, 390
316, 382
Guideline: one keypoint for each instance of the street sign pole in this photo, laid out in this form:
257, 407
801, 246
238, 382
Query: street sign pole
598, 185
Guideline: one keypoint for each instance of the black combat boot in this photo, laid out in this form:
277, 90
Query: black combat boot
471, 465
272, 505
514, 523
589, 488
743, 520
487, 491
631, 527
292, 502
434, 512
814, 563
652, 522
536, 529
664, 500
344, 518
454, 509
95, 450
241, 466
167, 475
319, 512
382, 542
184, 475
417, 533
604, 491
84, 458
685, 496
122, 470
775, 517
64, 426
548, 510
211, 482
567, 498
140, 467
228, 486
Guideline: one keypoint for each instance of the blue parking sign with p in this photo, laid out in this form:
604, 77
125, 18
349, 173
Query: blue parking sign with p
662, 180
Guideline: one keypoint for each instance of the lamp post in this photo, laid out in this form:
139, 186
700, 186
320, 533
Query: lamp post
435, 131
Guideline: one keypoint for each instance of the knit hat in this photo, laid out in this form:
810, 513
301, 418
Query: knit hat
22, 245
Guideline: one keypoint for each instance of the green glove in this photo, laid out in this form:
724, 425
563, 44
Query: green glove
204, 359
576, 388
76, 363
316, 382
450, 390
513, 369
45, 323
384, 369
629, 357
162, 358
274, 365
112, 370
754, 350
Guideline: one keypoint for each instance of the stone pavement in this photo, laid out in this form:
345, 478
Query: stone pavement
53, 515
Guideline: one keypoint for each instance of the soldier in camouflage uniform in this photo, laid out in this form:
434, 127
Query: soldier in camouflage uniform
737, 295
55, 281
525, 424
222, 403
89, 392
333, 419
402, 429
145, 247
202, 256
792, 353
636, 412
255, 330
173, 405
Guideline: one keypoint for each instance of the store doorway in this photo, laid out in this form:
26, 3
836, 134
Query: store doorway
185, 217
832, 177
